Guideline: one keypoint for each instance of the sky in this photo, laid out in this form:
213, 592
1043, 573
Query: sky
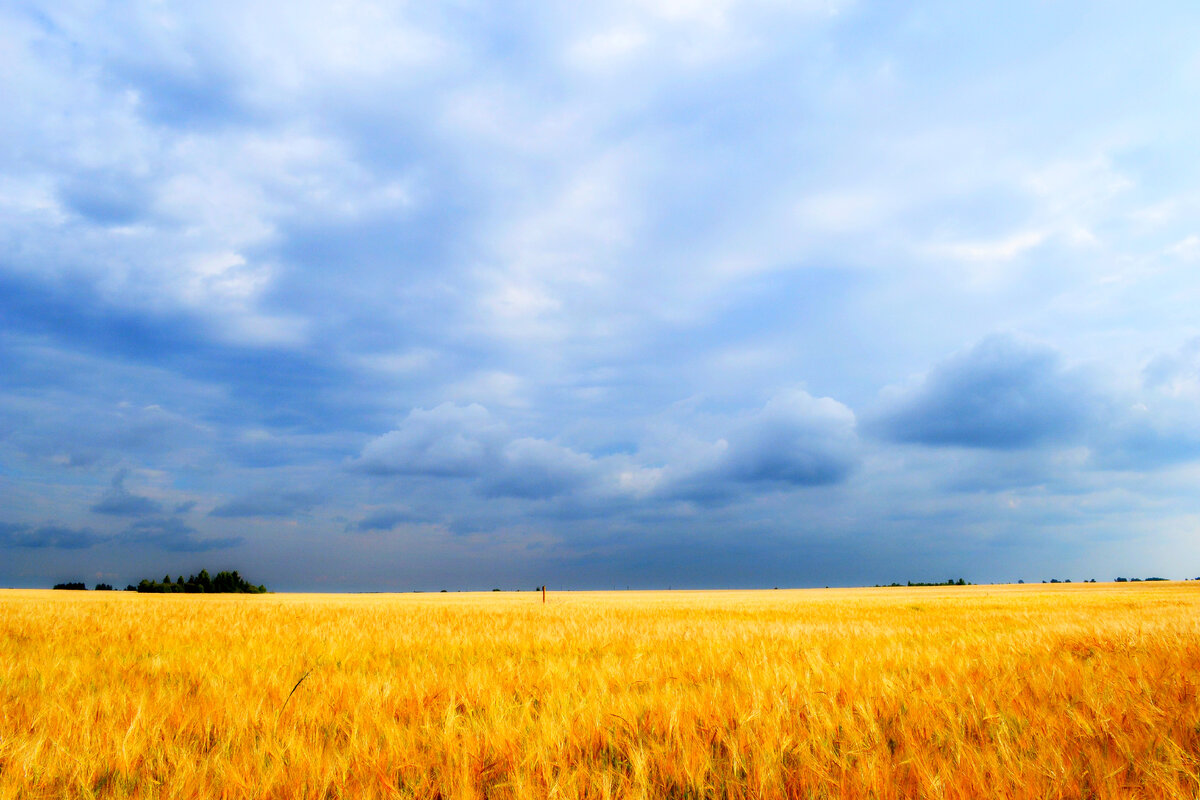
411, 296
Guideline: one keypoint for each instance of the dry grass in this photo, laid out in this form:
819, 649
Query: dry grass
1065, 691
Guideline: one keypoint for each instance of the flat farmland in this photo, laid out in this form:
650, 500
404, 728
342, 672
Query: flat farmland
1067, 690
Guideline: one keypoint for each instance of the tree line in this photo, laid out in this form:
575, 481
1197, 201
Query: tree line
221, 583
947, 582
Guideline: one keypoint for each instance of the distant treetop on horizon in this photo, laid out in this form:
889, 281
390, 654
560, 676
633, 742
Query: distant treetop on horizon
222, 583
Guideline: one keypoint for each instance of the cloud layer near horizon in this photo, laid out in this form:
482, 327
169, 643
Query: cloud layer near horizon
647, 294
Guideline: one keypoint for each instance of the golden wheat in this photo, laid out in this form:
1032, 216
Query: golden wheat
1064, 691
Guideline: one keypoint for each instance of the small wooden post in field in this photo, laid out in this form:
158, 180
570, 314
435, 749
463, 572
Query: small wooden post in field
543, 593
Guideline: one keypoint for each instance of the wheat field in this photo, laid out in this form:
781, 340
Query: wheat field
1019, 691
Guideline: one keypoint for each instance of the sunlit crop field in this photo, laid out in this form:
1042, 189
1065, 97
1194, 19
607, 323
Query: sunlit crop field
1061, 691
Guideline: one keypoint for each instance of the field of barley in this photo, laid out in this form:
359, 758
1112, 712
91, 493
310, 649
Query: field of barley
963, 692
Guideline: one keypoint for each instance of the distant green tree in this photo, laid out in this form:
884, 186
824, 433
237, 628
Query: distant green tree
223, 582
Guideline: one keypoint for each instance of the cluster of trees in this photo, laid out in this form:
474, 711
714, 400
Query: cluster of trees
948, 582
221, 583
961, 582
1117, 580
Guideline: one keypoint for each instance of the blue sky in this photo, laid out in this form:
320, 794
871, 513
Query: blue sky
667, 293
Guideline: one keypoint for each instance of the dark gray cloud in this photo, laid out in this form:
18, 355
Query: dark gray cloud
1027, 422
125, 505
269, 503
387, 519
175, 536
93, 423
1139, 445
1001, 394
102, 342
49, 536
537, 469
119, 501
795, 441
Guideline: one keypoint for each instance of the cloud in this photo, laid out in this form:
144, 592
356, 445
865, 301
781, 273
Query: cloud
466, 441
1062, 471
1002, 394
268, 503
80, 411
105, 198
1175, 374
74, 338
119, 501
1027, 422
796, 440
175, 536
387, 519
448, 441
1155, 426
537, 468
51, 536
125, 505
1144, 438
